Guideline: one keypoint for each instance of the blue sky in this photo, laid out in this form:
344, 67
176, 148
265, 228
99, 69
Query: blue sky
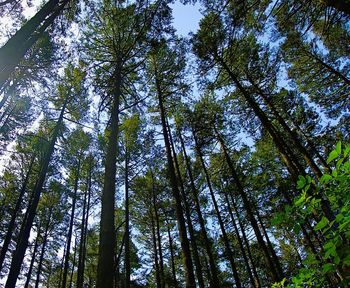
186, 18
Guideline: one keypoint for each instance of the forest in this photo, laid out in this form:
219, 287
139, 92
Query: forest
132, 155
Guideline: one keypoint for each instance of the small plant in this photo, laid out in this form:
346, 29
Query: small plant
331, 265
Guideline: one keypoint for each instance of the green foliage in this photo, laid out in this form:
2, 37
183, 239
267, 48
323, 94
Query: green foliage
333, 258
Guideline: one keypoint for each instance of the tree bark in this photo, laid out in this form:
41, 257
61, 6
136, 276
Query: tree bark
186, 252
106, 265
218, 214
24, 234
214, 279
172, 257
71, 224
240, 243
17, 46
83, 238
42, 253
36, 245
127, 226
11, 226
193, 240
158, 236
246, 242
276, 273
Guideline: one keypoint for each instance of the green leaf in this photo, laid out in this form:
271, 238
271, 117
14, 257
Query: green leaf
301, 182
346, 260
301, 199
325, 178
338, 148
336, 260
343, 225
327, 267
346, 150
339, 217
320, 225
334, 154
334, 173
339, 162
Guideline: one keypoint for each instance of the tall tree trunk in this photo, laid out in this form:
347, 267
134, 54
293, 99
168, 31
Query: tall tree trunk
292, 163
269, 244
218, 214
197, 263
158, 236
71, 224
240, 243
43, 247
16, 47
11, 226
276, 274
106, 265
155, 251
36, 245
127, 226
83, 239
246, 242
24, 234
296, 142
208, 246
186, 252
172, 257
74, 261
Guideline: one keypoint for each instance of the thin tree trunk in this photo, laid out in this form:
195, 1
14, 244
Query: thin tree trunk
11, 226
186, 252
81, 267
246, 242
276, 273
158, 236
172, 257
42, 253
218, 215
127, 226
74, 260
36, 245
155, 251
340, 5
24, 234
288, 157
208, 246
81, 258
296, 142
240, 243
197, 263
71, 224
291, 161
269, 244
106, 263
